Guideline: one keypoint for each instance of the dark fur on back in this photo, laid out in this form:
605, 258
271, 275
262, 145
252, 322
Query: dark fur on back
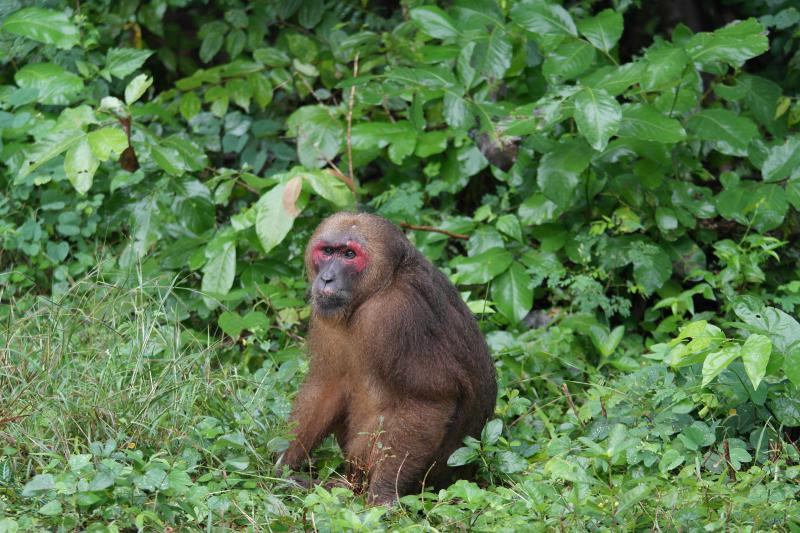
406, 356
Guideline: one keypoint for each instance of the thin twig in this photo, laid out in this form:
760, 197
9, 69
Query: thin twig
415, 227
350, 124
728, 465
568, 396
339, 174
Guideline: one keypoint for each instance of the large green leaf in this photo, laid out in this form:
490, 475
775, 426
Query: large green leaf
51, 146
276, 211
106, 142
123, 61
730, 132
545, 19
597, 115
80, 164
645, 123
718, 361
783, 161
652, 266
483, 267
400, 137
435, 22
665, 67
734, 44
603, 30
329, 187
43, 25
755, 356
569, 60
319, 134
219, 272
492, 53
781, 328
559, 171
512, 292
55, 85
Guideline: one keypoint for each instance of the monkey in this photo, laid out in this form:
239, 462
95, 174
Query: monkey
399, 370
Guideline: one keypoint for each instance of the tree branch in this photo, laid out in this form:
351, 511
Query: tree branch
434, 230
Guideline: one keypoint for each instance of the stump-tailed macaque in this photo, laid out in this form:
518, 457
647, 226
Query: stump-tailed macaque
399, 370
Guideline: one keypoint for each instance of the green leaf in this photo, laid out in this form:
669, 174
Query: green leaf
329, 187
137, 87
665, 67
276, 211
231, 323
791, 365
43, 25
615, 80
606, 342
492, 431
509, 225
718, 361
734, 44
218, 272
261, 89
543, 19
512, 292
492, 53
435, 22
671, 459
211, 45
123, 61
559, 171
462, 456
51, 508
603, 30
190, 105
400, 137
787, 410
652, 266
40, 484
783, 161
598, 116
168, 158
80, 164
645, 123
319, 134
51, 146
537, 210
781, 328
106, 142
483, 267
730, 132
569, 60
755, 356
696, 436
55, 85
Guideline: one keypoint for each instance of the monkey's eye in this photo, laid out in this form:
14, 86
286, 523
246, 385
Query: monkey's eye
349, 254
327, 250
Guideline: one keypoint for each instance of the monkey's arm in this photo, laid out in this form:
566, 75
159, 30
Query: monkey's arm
318, 406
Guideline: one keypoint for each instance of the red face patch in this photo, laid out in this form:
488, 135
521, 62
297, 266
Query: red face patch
350, 253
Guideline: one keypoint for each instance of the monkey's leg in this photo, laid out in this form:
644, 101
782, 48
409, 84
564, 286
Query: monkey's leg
412, 436
316, 409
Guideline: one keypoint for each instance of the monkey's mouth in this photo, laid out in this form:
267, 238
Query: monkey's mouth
327, 301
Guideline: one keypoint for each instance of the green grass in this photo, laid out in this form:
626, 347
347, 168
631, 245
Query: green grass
115, 416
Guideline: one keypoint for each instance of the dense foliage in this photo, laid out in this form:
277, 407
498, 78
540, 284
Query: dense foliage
615, 192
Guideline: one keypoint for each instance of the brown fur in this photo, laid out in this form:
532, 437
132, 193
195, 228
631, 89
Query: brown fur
401, 375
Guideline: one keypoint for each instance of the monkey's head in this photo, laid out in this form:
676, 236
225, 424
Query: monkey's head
350, 257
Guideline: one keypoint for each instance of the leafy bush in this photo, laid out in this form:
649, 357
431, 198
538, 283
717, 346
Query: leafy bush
615, 193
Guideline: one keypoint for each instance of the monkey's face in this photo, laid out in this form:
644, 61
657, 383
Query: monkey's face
337, 267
